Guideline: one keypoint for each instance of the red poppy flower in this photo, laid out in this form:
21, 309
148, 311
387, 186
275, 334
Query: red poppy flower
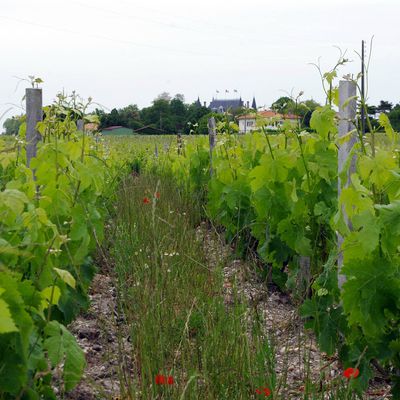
170, 380
351, 373
160, 380
157, 195
146, 200
264, 391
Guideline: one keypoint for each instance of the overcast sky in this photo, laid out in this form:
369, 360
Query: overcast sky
124, 52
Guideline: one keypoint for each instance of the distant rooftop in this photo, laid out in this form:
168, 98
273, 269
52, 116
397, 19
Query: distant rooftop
224, 105
110, 128
269, 114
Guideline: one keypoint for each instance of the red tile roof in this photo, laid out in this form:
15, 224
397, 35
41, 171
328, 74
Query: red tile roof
269, 114
91, 126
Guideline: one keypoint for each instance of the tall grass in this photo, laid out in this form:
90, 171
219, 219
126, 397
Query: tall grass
172, 301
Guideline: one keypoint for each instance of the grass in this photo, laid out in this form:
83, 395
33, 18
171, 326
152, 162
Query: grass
172, 301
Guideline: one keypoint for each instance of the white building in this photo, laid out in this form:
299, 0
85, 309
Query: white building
271, 120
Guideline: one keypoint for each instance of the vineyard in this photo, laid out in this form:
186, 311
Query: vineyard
149, 214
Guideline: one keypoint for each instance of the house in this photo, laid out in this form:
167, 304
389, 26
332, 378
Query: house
91, 127
273, 120
116, 130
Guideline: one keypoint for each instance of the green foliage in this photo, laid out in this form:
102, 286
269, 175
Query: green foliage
394, 116
50, 222
283, 105
61, 347
11, 125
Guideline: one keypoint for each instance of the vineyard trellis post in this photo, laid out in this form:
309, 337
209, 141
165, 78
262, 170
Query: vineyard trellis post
179, 141
347, 118
80, 125
212, 132
34, 114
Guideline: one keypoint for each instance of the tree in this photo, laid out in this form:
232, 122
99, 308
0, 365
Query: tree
394, 117
194, 114
113, 118
129, 117
304, 111
384, 106
283, 105
158, 115
164, 96
11, 125
178, 112
372, 110
180, 97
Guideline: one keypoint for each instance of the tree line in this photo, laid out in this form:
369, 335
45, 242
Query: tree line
170, 115
166, 115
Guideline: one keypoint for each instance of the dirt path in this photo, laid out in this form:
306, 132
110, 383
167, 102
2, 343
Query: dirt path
96, 333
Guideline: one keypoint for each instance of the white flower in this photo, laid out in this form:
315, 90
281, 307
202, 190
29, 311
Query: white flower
54, 251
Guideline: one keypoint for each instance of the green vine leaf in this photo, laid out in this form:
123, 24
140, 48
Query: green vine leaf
63, 348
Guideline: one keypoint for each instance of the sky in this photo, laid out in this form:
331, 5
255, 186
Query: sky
125, 52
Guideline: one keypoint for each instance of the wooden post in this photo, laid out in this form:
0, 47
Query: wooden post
305, 274
212, 132
347, 117
34, 115
179, 140
156, 150
80, 125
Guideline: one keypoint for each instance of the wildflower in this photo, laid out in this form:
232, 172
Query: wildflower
264, 391
351, 373
170, 380
160, 380
146, 200
64, 239
54, 251
157, 195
